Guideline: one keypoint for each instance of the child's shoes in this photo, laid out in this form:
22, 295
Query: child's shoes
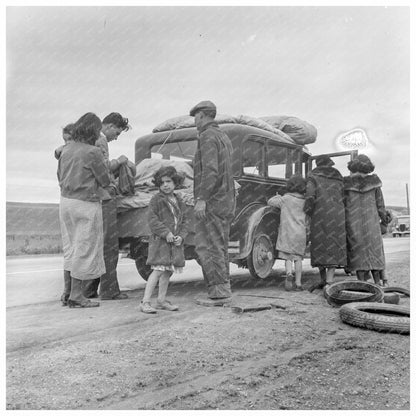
289, 282
146, 307
298, 288
166, 305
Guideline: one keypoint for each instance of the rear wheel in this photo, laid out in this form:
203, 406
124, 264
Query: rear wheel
260, 260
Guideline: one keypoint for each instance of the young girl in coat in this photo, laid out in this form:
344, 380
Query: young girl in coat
168, 226
291, 240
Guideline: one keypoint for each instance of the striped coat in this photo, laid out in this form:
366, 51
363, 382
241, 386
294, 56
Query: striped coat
325, 204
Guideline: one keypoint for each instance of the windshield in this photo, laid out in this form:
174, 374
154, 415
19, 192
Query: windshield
403, 220
181, 151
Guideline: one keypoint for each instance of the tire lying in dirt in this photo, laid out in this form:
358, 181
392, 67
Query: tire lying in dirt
397, 289
353, 295
392, 298
334, 297
377, 316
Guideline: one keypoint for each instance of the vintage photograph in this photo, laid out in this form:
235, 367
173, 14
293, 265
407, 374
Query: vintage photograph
208, 207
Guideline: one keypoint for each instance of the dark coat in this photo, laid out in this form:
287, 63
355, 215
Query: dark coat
325, 205
161, 222
213, 177
364, 207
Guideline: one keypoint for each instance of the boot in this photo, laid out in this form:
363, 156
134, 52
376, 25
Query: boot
376, 277
76, 298
289, 281
67, 287
361, 275
322, 272
383, 278
367, 275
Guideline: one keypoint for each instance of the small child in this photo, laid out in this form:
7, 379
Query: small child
67, 136
168, 225
291, 239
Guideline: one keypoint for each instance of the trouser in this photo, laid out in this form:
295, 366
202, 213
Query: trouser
364, 275
108, 282
67, 282
212, 235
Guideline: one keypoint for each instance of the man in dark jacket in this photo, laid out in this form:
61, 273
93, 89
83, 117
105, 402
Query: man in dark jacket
324, 204
214, 203
112, 126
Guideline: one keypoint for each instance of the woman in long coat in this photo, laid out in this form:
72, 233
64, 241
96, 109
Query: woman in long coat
364, 207
324, 204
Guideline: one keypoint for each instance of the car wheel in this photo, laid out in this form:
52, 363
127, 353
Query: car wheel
261, 259
377, 316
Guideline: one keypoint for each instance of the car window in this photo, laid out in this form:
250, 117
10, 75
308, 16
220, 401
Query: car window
253, 158
280, 161
182, 151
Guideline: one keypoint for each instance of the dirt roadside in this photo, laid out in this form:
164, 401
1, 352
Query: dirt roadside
300, 357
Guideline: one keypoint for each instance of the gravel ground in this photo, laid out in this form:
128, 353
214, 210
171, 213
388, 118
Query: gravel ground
300, 357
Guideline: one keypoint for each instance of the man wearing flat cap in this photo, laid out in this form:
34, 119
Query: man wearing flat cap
325, 205
214, 203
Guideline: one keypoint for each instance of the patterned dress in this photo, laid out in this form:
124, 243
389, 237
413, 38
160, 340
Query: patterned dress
324, 203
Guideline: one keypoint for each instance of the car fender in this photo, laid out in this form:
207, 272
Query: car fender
254, 219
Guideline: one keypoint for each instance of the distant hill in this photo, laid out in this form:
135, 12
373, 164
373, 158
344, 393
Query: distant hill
397, 210
32, 219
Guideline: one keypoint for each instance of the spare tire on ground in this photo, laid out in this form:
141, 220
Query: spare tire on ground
377, 316
393, 298
334, 296
396, 289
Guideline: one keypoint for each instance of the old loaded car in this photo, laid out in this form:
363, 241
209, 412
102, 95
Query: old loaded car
262, 162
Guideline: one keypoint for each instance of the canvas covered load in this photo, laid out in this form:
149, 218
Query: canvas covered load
289, 128
183, 122
144, 188
299, 130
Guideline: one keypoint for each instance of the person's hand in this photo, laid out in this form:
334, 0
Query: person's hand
122, 159
170, 238
199, 209
177, 240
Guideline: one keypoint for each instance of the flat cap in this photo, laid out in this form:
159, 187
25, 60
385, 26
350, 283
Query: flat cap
324, 160
203, 105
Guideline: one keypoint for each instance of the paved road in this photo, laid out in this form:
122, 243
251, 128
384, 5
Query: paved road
36, 279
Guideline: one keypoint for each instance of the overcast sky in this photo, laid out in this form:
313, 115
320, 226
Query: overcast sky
339, 68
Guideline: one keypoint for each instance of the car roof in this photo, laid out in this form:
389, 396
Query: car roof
233, 130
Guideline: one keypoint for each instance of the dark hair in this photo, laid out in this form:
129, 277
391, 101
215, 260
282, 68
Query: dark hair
87, 129
362, 164
68, 129
209, 112
118, 120
170, 172
296, 184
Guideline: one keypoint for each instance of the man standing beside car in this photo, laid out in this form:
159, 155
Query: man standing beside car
112, 126
214, 203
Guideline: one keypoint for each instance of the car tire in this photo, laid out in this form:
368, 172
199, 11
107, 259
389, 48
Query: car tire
396, 289
334, 297
377, 316
261, 259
